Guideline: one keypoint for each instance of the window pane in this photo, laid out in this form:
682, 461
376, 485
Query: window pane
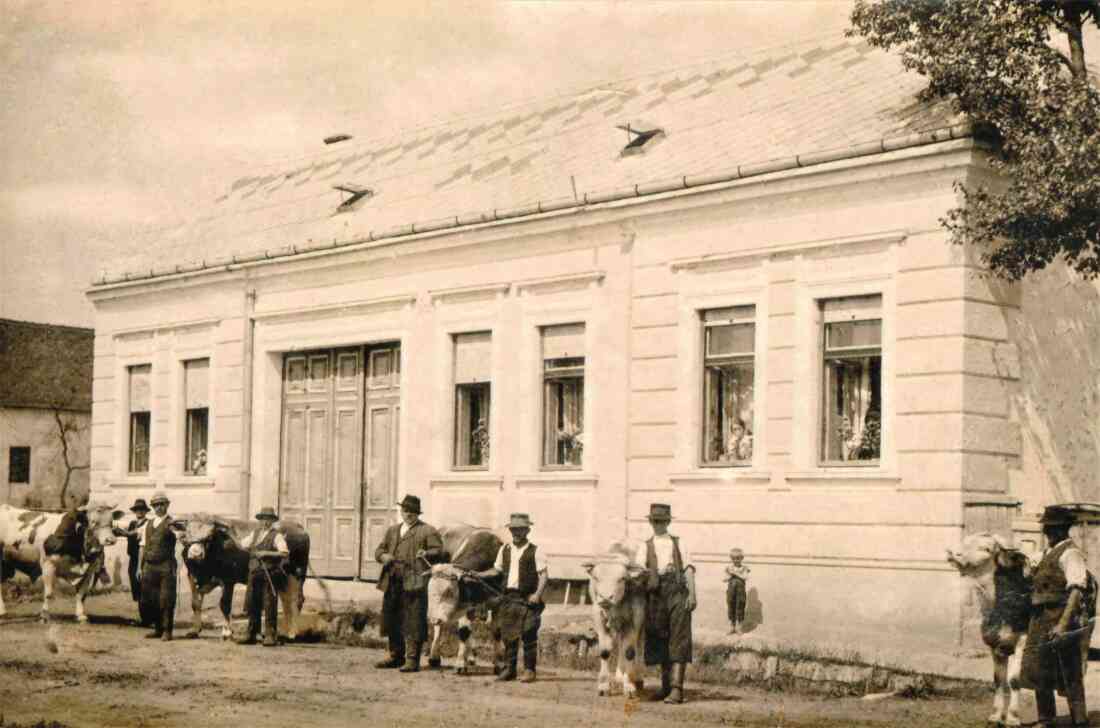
473, 357
19, 465
563, 421
472, 425
140, 387
196, 387
195, 450
565, 341
727, 340
851, 425
571, 363
728, 416
139, 442
736, 314
853, 334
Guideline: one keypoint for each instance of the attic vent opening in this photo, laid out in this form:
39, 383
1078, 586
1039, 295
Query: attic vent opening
640, 137
336, 138
356, 193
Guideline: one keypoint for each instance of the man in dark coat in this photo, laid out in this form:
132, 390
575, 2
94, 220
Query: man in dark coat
133, 551
671, 586
406, 553
518, 615
158, 569
1059, 629
267, 556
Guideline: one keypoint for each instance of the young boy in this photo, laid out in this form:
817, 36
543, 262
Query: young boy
736, 576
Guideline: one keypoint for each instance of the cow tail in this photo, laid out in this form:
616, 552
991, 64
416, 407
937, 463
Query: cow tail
322, 584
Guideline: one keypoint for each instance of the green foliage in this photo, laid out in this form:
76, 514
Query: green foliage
997, 62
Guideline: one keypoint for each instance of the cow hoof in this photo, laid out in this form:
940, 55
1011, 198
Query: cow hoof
603, 691
191, 634
462, 671
435, 663
81, 620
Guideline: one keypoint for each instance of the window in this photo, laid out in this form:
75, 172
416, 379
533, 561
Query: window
473, 359
196, 396
563, 396
851, 423
19, 465
729, 344
140, 399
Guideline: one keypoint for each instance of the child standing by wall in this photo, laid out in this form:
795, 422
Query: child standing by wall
736, 576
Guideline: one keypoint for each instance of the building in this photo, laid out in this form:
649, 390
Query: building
45, 413
724, 287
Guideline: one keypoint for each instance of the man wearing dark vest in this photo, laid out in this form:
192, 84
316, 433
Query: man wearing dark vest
133, 551
267, 555
671, 586
406, 553
158, 569
1054, 654
519, 613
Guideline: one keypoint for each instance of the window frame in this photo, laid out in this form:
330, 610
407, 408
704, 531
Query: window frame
11, 460
459, 430
560, 374
133, 417
735, 358
187, 469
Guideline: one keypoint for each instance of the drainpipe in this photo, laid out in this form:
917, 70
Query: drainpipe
246, 405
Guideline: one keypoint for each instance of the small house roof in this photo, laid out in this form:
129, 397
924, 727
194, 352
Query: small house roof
45, 365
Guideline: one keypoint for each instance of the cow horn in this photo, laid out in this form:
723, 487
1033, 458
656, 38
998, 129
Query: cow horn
588, 566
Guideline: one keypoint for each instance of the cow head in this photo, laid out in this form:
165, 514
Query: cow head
97, 520
444, 597
986, 552
611, 579
198, 533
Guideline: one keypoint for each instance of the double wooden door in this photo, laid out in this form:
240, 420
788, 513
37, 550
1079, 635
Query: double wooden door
339, 452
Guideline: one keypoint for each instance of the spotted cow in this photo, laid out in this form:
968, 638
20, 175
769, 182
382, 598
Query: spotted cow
617, 587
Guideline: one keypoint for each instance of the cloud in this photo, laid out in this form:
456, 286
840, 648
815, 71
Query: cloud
88, 203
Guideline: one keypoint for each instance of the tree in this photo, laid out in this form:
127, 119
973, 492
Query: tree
67, 426
995, 62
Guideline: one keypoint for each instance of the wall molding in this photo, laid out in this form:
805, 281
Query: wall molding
360, 305
718, 259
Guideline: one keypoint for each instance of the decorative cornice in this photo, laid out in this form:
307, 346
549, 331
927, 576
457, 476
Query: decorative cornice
403, 300
702, 261
593, 276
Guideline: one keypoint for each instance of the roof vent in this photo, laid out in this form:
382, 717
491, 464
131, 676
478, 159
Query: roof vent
336, 138
640, 136
356, 192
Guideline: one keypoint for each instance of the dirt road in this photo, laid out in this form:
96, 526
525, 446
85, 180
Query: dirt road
107, 674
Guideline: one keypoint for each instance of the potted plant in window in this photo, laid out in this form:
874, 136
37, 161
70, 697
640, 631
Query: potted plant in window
480, 438
198, 464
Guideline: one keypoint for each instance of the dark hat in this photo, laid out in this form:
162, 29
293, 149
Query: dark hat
158, 497
139, 505
660, 512
410, 503
267, 512
520, 520
1057, 516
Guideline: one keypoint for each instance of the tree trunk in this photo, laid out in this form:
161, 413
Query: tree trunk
1076, 43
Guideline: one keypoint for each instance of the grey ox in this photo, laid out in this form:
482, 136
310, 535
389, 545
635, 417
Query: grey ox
617, 587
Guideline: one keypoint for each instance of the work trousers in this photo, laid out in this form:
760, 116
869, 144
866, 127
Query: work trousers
158, 595
735, 600
261, 601
404, 617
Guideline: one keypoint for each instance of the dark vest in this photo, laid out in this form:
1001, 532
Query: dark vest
160, 542
654, 579
1048, 583
267, 543
528, 576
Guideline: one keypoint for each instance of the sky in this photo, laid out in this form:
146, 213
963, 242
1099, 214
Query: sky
122, 116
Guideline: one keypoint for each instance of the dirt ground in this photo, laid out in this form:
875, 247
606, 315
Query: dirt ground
106, 674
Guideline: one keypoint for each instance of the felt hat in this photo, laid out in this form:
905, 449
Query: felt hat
267, 513
1057, 516
520, 520
139, 505
410, 503
159, 497
660, 512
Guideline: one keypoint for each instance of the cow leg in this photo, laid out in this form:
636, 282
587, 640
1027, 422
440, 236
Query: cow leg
1012, 683
464, 658
434, 659
81, 594
226, 605
197, 595
49, 575
1000, 683
292, 604
624, 666
3, 609
603, 682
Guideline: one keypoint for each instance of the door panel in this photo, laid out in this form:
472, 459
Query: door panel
380, 461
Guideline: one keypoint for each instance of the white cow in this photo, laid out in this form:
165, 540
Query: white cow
1000, 576
69, 545
617, 587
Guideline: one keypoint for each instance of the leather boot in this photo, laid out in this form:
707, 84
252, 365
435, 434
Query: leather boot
1077, 709
1045, 708
393, 660
508, 664
676, 694
666, 682
412, 657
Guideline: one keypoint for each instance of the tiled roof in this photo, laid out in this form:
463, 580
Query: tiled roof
821, 94
42, 365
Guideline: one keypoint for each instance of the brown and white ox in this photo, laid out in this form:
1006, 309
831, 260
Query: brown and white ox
616, 585
1000, 576
454, 601
68, 545
214, 558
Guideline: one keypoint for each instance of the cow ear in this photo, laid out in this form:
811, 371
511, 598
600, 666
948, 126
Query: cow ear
178, 525
117, 514
588, 566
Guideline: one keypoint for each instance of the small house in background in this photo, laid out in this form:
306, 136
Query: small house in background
45, 413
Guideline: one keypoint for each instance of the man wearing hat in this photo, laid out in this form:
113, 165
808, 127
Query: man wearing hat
267, 555
671, 586
406, 553
133, 550
519, 613
158, 569
1054, 653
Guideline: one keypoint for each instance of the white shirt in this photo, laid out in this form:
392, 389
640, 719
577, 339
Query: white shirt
260, 534
404, 529
1073, 566
513, 573
662, 545
156, 521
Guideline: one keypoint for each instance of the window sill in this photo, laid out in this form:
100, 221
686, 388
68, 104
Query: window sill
189, 481
573, 478
132, 481
721, 476
476, 478
860, 476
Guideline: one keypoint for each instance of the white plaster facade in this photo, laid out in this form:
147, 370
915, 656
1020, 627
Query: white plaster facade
37, 429
849, 550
